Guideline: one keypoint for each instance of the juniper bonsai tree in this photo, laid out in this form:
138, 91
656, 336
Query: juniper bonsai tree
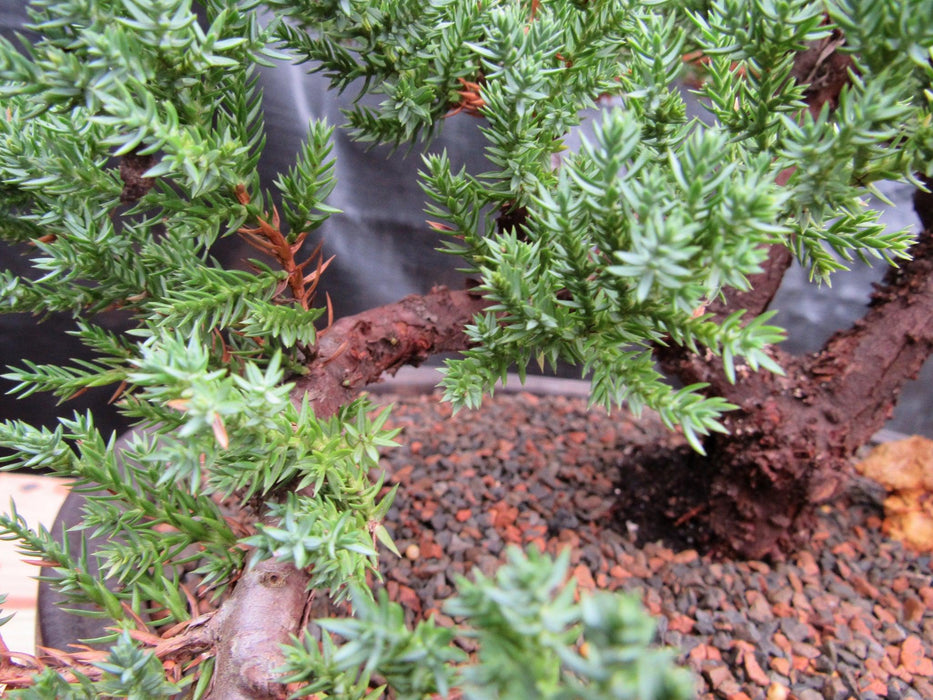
129, 148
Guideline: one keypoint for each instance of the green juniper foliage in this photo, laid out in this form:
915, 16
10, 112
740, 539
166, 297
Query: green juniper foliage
604, 252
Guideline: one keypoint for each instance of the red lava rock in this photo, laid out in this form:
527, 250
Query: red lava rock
857, 625
503, 514
618, 573
781, 665
429, 548
874, 686
569, 538
844, 550
900, 584
782, 642
471, 532
926, 593
884, 615
463, 502
681, 623
407, 597
783, 610
704, 652
863, 587
584, 578
718, 675
655, 564
873, 666
913, 609
512, 535
913, 658
688, 556
807, 563
755, 673
401, 476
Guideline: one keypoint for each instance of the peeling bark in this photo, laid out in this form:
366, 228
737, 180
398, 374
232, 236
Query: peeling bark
266, 608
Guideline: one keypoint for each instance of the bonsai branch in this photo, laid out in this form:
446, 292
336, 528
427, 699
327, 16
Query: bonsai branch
269, 602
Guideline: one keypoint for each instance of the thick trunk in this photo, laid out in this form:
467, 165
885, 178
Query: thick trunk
265, 610
791, 441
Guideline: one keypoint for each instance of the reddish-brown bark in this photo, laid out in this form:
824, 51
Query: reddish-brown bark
358, 350
791, 441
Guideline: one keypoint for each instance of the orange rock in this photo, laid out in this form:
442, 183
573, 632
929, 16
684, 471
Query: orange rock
807, 563
704, 652
857, 625
681, 623
754, 670
863, 587
844, 550
900, 584
913, 658
913, 609
781, 665
584, 577
409, 599
782, 642
402, 475
884, 615
503, 514
905, 469
873, 666
685, 557
655, 564
873, 685
512, 535
777, 691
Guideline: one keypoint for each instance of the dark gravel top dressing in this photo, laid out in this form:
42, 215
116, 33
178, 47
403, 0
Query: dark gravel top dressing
849, 616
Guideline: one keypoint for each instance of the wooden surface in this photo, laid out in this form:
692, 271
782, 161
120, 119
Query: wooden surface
37, 499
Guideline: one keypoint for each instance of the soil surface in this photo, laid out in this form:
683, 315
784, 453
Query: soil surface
848, 615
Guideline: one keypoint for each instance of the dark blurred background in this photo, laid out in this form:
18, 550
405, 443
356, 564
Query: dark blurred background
385, 251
